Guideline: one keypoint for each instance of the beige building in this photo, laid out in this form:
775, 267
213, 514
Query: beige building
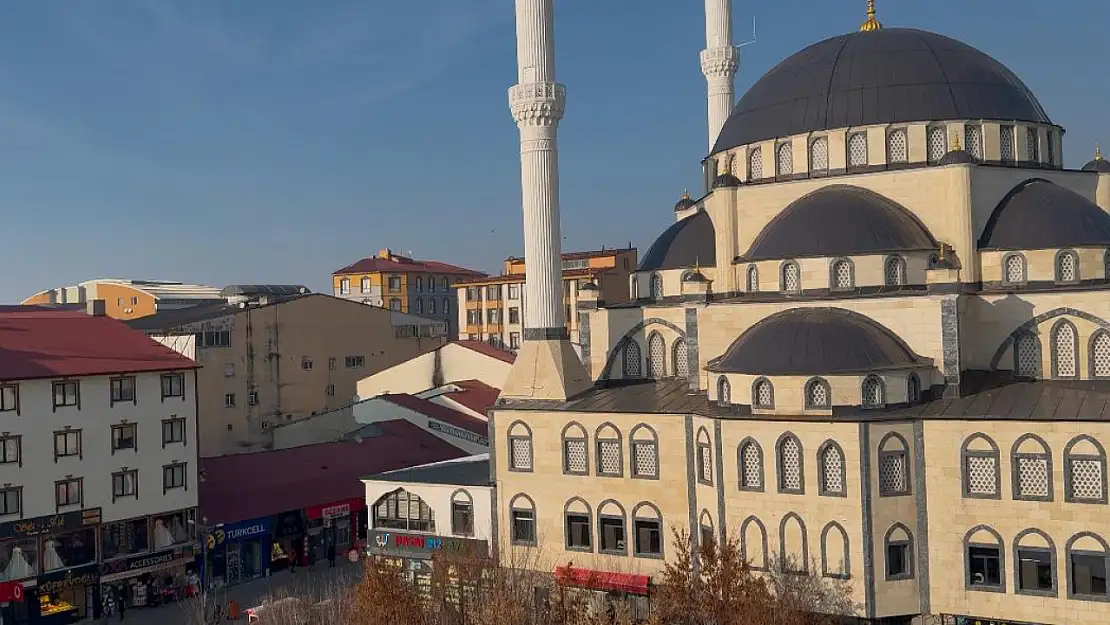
492, 308
878, 347
277, 359
129, 299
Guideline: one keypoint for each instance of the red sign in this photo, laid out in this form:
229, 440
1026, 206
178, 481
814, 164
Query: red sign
11, 591
335, 509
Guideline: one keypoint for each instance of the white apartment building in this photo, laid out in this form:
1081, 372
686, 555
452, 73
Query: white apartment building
98, 458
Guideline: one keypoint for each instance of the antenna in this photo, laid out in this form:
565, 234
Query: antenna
750, 41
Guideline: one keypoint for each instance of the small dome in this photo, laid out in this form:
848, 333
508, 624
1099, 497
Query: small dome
1038, 214
726, 181
816, 341
686, 243
840, 220
956, 157
1100, 165
685, 203
694, 276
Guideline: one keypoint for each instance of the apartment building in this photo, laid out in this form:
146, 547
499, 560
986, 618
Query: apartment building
98, 461
403, 284
276, 359
128, 299
493, 309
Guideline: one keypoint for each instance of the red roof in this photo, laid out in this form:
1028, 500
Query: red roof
586, 254
38, 342
400, 264
440, 412
511, 278
488, 350
249, 486
474, 394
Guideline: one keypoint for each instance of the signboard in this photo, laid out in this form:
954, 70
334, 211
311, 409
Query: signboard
52, 524
11, 591
62, 580
451, 430
335, 509
386, 542
134, 563
288, 524
975, 620
243, 530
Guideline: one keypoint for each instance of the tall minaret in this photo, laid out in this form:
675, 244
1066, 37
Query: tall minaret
719, 61
547, 367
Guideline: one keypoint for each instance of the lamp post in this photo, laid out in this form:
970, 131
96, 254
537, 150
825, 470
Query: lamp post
203, 530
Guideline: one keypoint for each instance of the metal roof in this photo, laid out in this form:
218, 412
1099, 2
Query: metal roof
884, 76
1038, 214
470, 471
263, 289
688, 242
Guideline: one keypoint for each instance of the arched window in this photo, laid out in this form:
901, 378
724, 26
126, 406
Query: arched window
576, 459
857, 149
753, 279
984, 559
894, 271
705, 523
840, 275
634, 286
1106, 264
1031, 468
913, 389
1032, 145
1027, 355
644, 450
749, 465
446, 306
1006, 143
610, 460
633, 361
1099, 355
462, 513
937, 143
818, 394
657, 350
793, 544
680, 355
753, 543
894, 466
647, 531
705, 458
834, 551
402, 510
1088, 561
520, 447
522, 520
981, 467
1035, 563
819, 155
785, 159
1065, 350
763, 394
898, 546
1084, 471
788, 451
656, 286
446, 284
755, 164
577, 524
1067, 266
830, 470
897, 146
1013, 269
873, 392
724, 392
791, 277
973, 140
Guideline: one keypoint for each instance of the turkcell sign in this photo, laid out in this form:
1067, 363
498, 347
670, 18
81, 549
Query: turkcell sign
245, 532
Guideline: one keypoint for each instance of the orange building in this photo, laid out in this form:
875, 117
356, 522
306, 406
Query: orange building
129, 299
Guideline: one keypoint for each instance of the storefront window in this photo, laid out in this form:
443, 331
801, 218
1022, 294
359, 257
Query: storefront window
125, 538
19, 559
173, 529
401, 510
70, 549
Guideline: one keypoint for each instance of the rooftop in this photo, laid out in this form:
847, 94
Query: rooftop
487, 350
39, 342
468, 471
474, 394
439, 412
518, 278
387, 261
602, 253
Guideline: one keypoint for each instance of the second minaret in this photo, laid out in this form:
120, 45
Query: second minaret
719, 61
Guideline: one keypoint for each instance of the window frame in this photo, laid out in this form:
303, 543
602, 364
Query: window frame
744, 543
587, 516
1050, 551
14, 388
1024, 269
632, 348
120, 384
1016, 349
121, 427
782, 277
80, 482
993, 453
755, 155
900, 261
907, 544
826, 571
704, 452
833, 265
636, 520
784, 560
780, 148
741, 466
861, 134
656, 290
1058, 266
813, 168
134, 474
634, 443
808, 396
80, 453
166, 381
393, 500
907, 473
18, 438
617, 441
755, 394
876, 379
1015, 468
511, 457
602, 517
1053, 347
1091, 369
171, 421
753, 278
18, 490
724, 399
826, 446
514, 510
913, 389
1068, 456
904, 133
584, 439
1069, 552
999, 546
930, 131
780, 465
458, 505
62, 385
171, 470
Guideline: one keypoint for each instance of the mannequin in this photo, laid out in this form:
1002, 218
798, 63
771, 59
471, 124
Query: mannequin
177, 530
162, 536
50, 559
18, 568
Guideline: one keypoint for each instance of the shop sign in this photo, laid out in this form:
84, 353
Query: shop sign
135, 563
395, 543
80, 576
335, 509
288, 524
975, 620
451, 430
243, 530
11, 591
49, 524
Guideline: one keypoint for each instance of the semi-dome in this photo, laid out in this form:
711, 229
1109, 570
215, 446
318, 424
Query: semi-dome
1098, 163
726, 181
958, 157
840, 220
883, 76
1038, 214
816, 341
686, 243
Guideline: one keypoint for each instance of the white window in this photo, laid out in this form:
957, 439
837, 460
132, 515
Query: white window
937, 143
819, 154
973, 138
755, 164
173, 476
608, 454
1015, 269
790, 465
842, 275
872, 392
574, 450
345, 286
1063, 350
894, 272
857, 149
1085, 466
981, 467
1032, 145
1006, 143
791, 277
364, 285
897, 146
520, 447
785, 159
645, 453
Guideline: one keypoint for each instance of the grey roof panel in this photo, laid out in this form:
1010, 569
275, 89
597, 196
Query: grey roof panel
688, 242
1038, 214
466, 473
885, 76
852, 221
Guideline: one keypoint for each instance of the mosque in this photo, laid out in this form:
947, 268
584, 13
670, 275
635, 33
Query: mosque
877, 347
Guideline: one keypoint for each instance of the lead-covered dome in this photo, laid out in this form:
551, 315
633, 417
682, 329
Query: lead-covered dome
816, 341
1038, 215
884, 76
686, 243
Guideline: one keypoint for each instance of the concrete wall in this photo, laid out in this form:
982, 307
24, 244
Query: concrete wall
429, 370
439, 497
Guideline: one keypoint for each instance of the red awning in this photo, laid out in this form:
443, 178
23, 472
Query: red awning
602, 580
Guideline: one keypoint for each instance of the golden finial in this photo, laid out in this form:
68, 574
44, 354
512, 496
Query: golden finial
871, 24
685, 194
956, 142
1098, 153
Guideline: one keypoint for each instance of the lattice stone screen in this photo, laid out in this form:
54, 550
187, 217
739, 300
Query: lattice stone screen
790, 280
897, 145
832, 463
973, 137
819, 154
681, 362
893, 272
818, 395
645, 460
521, 450
1067, 268
1032, 473
755, 163
752, 471
632, 360
1064, 344
1028, 356
656, 357
981, 475
1006, 142
892, 472
609, 457
842, 274
1100, 354
786, 159
791, 465
706, 464
576, 455
857, 149
1086, 479
763, 394
872, 392
1015, 269
938, 143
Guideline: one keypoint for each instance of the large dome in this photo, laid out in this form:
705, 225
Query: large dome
879, 77
1038, 215
688, 242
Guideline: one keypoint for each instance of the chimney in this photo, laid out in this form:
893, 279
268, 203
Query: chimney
95, 308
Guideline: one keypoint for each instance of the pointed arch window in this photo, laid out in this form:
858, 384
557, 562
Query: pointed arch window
1035, 563
819, 155
830, 466
1006, 143
520, 447
835, 552
791, 277
894, 271
763, 394
937, 143
857, 149
894, 466
1032, 145
657, 350
753, 543
1088, 562
656, 286
785, 158
1084, 471
841, 276
402, 510
982, 475
705, 458
984, 560
755, 164
1013, 267
1067, 266
793, 545
1065, 352
577, 523
913, 389
680, 355
898, 546
576, 458
1027, 355
644, 449
873, 392
897, 146
818, 394
633, 360
1100, 354
724, 392
789, 459
1031, 467
749, 464
753, 279
522, 520
973, 140
647, 531
610, 459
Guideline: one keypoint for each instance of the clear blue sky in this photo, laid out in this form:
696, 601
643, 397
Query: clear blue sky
277, 140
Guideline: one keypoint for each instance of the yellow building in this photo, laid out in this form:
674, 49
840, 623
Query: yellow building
879, 345
493, 307
129, 299
399, 283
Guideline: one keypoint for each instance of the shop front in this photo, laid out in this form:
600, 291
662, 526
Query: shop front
148, 579
341, 524
416, 553
287, 540
66, 596
238, 552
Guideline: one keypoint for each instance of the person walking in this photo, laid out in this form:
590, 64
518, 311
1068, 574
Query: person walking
293, 560
122, 605
331, 555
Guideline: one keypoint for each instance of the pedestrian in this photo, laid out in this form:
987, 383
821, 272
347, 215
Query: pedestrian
122, 605
293, 561
331, 555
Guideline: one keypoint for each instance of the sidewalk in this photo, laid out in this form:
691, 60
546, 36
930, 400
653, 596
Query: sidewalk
306, 581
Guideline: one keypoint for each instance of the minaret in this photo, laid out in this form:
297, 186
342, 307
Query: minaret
719, 61
547, 367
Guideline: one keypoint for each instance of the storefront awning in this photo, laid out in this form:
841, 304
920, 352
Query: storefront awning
602, 580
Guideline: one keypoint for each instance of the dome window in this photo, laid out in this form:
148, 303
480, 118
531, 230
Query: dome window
633, 361
973, 140
657, 350
724, 392
1006, 144
1100, 355
753, 278
937, 143
656, 286
894, 271
1027, 356
842, 278
1067, 267
857, 149
1106, 264
681, 355
755, 164
1050, 151
913, 389
763, 394
1064, 352
1014, 266
897, 146
872, 391
785, 159
1032, 145
817, 394
819, 154
791, 277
